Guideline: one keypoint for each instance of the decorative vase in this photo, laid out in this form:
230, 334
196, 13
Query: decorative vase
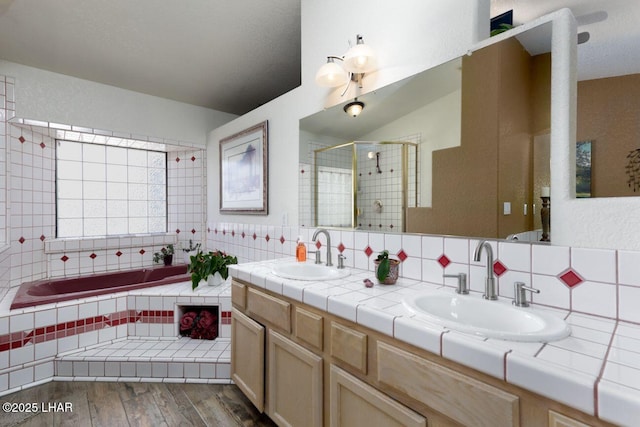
215, 279
168, 259
394, 270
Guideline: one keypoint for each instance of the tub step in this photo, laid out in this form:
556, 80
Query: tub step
149, 359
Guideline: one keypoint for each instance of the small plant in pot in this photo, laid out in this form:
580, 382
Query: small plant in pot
165, 255
212, 267
188, 251
387, 269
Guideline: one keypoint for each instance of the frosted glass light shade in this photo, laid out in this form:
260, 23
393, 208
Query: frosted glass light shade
331, 75
360, 59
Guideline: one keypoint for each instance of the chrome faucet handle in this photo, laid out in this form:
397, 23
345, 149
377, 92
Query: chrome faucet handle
519, 290
463, 287
317, 253
341, 259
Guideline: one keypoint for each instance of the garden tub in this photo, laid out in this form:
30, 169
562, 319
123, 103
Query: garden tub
48, 291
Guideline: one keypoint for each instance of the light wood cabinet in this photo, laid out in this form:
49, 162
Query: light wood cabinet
464, 399
294, 383
354, 403
247, 357
558, 420
306, 367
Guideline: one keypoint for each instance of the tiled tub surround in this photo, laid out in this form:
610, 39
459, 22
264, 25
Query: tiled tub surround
130, 336
595, 370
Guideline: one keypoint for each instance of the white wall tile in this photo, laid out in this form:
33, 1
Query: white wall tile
597, 265
595, 298
550, 260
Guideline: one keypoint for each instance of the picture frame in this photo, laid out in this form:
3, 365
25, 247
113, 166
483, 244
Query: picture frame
244, 171
583, 169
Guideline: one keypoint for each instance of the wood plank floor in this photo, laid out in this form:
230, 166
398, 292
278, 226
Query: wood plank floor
116, 404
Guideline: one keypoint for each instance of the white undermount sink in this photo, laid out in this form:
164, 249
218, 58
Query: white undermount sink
490, 319
309, 271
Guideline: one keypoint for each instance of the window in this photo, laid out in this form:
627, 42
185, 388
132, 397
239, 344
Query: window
104, 190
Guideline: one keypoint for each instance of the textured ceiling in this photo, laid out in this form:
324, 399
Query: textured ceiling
234, 56
230, 56
613, 47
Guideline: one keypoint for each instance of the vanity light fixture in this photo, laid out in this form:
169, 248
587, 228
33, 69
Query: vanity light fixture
354, 108
358, 60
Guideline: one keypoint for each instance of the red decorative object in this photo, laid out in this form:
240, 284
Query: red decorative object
42, 145
402, 255
21, 139
499, 268
93, 256
571, 279
341, 247
199, 323
444, 261
368, 251
21, 240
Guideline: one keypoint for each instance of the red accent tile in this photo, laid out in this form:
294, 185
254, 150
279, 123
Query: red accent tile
233, 233
444, 261
281, 239
177, 159
142, 251
499, 268
224, 232
368, 251
402, 255
267, 238
302, 171
93, 256
21, 240
42, 238
254, 236
177, 231
64, 258
193, 231
193, 158
42, 145
118, 253
341, 247
21, 139
571, 278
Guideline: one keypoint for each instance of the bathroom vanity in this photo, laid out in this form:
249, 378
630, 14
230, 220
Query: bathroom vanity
307, 366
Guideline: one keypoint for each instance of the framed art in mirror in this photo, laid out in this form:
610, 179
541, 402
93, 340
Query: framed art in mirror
243, 171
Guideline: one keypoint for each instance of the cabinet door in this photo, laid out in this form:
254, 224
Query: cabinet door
294, 396
559, 420
357, 404
247, 357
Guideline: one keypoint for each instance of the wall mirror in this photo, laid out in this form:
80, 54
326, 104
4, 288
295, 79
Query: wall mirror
607, 123
481, 125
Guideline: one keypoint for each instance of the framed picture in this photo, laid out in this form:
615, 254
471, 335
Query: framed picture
243, 171
583, 169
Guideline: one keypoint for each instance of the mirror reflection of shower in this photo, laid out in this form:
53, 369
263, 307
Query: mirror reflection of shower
365, 185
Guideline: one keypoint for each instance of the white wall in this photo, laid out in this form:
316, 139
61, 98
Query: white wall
408, 36
43, 95
438, 124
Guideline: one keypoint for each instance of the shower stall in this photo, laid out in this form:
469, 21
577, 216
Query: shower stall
365, 185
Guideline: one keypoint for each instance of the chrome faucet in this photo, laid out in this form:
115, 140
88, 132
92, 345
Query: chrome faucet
326, 233
490, 283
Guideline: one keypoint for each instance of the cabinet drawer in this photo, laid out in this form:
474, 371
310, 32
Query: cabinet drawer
270, 309
464, 399
239, 294
309, 328
349, 346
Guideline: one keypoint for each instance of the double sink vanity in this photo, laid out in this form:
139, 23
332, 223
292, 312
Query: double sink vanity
312, 346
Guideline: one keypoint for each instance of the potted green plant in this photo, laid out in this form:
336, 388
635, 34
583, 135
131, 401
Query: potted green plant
188, 251
165, 255
211, 266
387, 269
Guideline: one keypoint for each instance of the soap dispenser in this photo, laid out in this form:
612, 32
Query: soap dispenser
301, 250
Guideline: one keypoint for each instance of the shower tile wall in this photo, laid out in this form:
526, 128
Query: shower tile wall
379, 197
7, 111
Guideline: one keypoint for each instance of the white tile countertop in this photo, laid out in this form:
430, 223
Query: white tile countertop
596, 369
